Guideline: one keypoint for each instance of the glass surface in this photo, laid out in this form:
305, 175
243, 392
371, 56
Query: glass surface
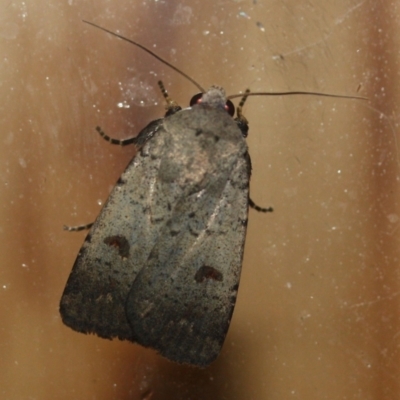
317, 315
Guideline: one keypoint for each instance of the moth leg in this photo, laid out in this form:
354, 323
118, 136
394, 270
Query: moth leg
243, 125
258, 208
147, 133
172, 106
121, 142
77, 228
240, 119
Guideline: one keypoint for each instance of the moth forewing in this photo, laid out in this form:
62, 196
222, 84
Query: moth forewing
182, 300
161, 265
95, 294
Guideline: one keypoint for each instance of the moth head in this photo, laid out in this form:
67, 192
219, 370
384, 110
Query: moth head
214, 97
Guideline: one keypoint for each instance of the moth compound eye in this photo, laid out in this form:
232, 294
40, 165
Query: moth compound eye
196, 99
230, 108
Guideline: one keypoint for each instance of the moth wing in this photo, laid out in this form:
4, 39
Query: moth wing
115, 250
181, 301
182, 201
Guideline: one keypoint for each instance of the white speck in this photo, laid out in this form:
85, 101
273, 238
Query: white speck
288, 285
260, 26
138, 92
243, 15
305, 314
22, 162
278, 57
24, 12
125, 105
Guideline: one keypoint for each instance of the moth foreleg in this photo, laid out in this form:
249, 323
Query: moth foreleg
121, 142
258, 208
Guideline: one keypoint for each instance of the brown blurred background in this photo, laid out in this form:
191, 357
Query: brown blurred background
318, 312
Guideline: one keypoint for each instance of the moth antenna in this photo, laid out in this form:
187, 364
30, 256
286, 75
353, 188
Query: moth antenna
339, 96
148, 51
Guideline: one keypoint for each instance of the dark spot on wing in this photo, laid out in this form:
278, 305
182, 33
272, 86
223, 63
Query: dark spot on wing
206, 272
120, 243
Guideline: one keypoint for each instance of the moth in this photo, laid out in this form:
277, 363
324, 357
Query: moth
161, 264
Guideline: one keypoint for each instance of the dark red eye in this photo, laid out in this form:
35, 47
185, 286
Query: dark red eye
196, 99
230, 108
